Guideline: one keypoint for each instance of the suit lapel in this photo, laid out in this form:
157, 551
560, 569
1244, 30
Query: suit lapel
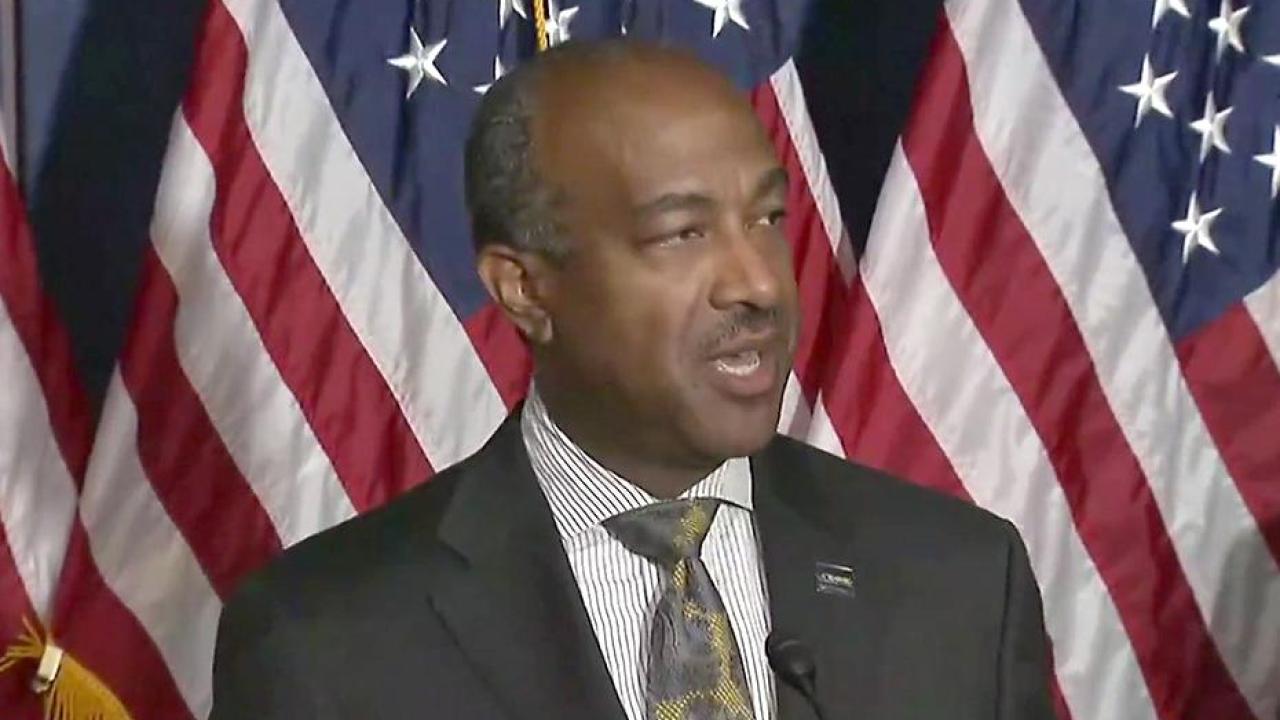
512, 604
800, 527
511, 600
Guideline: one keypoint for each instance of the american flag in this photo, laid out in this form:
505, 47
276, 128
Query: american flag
44, 442
1066, 309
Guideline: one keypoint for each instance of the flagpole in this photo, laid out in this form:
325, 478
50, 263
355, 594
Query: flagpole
10, 81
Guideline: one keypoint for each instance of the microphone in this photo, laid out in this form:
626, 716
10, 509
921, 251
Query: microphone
792, 660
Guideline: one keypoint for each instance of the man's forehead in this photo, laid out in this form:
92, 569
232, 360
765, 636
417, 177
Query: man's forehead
629, 85
770, 180
636, 123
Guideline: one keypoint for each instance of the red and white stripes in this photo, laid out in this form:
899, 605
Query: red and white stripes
290, 364
43, 438
1203, 501
29, 447
1010, 313
1264, 308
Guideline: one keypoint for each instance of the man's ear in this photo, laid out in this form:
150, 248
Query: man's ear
516, 280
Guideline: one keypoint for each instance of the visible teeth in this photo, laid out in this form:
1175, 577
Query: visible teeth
741, 364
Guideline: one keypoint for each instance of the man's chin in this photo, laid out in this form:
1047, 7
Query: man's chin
739, 432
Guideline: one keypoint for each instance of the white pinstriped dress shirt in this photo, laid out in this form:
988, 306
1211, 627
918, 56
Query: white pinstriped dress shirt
621, 589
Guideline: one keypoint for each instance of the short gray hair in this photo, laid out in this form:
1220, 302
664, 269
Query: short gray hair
508, 201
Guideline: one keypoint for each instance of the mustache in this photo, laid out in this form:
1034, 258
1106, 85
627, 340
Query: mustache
744, 321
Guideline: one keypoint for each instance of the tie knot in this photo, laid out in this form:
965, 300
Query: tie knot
665, 532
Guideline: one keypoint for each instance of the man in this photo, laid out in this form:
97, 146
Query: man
636, 542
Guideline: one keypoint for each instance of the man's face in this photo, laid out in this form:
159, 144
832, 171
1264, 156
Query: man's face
675, 310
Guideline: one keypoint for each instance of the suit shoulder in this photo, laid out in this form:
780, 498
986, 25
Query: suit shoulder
856, 494
356, 550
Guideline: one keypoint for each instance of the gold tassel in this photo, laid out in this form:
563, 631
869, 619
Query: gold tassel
540, 23
71, 691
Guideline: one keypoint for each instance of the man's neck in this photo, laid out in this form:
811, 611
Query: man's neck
596, 436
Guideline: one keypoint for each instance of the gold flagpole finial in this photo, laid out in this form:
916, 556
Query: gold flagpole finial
70, 690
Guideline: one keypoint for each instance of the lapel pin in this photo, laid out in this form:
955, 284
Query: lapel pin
834, 579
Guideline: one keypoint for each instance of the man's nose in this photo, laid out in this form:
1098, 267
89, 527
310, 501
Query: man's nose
747, 272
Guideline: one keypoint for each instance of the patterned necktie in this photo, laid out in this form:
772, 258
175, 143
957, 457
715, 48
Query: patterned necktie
695, 672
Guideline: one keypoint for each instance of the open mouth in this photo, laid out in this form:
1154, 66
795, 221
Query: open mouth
748, 374
739, 364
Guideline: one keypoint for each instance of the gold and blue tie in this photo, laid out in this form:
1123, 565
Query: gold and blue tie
695, 670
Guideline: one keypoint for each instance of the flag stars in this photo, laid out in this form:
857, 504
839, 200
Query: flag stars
628, 16
726, 11
1212, 128
1272, 160
498, 72
1196, 228
558, 22
1150, 91
1227, 27
1163, 6
1272, 59
505, 7
419, 62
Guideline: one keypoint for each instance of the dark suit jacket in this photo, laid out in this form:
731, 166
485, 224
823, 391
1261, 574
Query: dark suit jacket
457, 601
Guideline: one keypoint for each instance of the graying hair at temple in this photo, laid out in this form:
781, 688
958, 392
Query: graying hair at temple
508, 202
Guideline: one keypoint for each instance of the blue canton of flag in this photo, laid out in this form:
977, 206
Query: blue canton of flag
408, 127
1181, 102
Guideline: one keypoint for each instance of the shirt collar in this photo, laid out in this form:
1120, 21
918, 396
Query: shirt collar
583, 493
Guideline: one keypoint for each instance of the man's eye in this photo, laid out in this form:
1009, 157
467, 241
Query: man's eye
772, 219
682, 235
